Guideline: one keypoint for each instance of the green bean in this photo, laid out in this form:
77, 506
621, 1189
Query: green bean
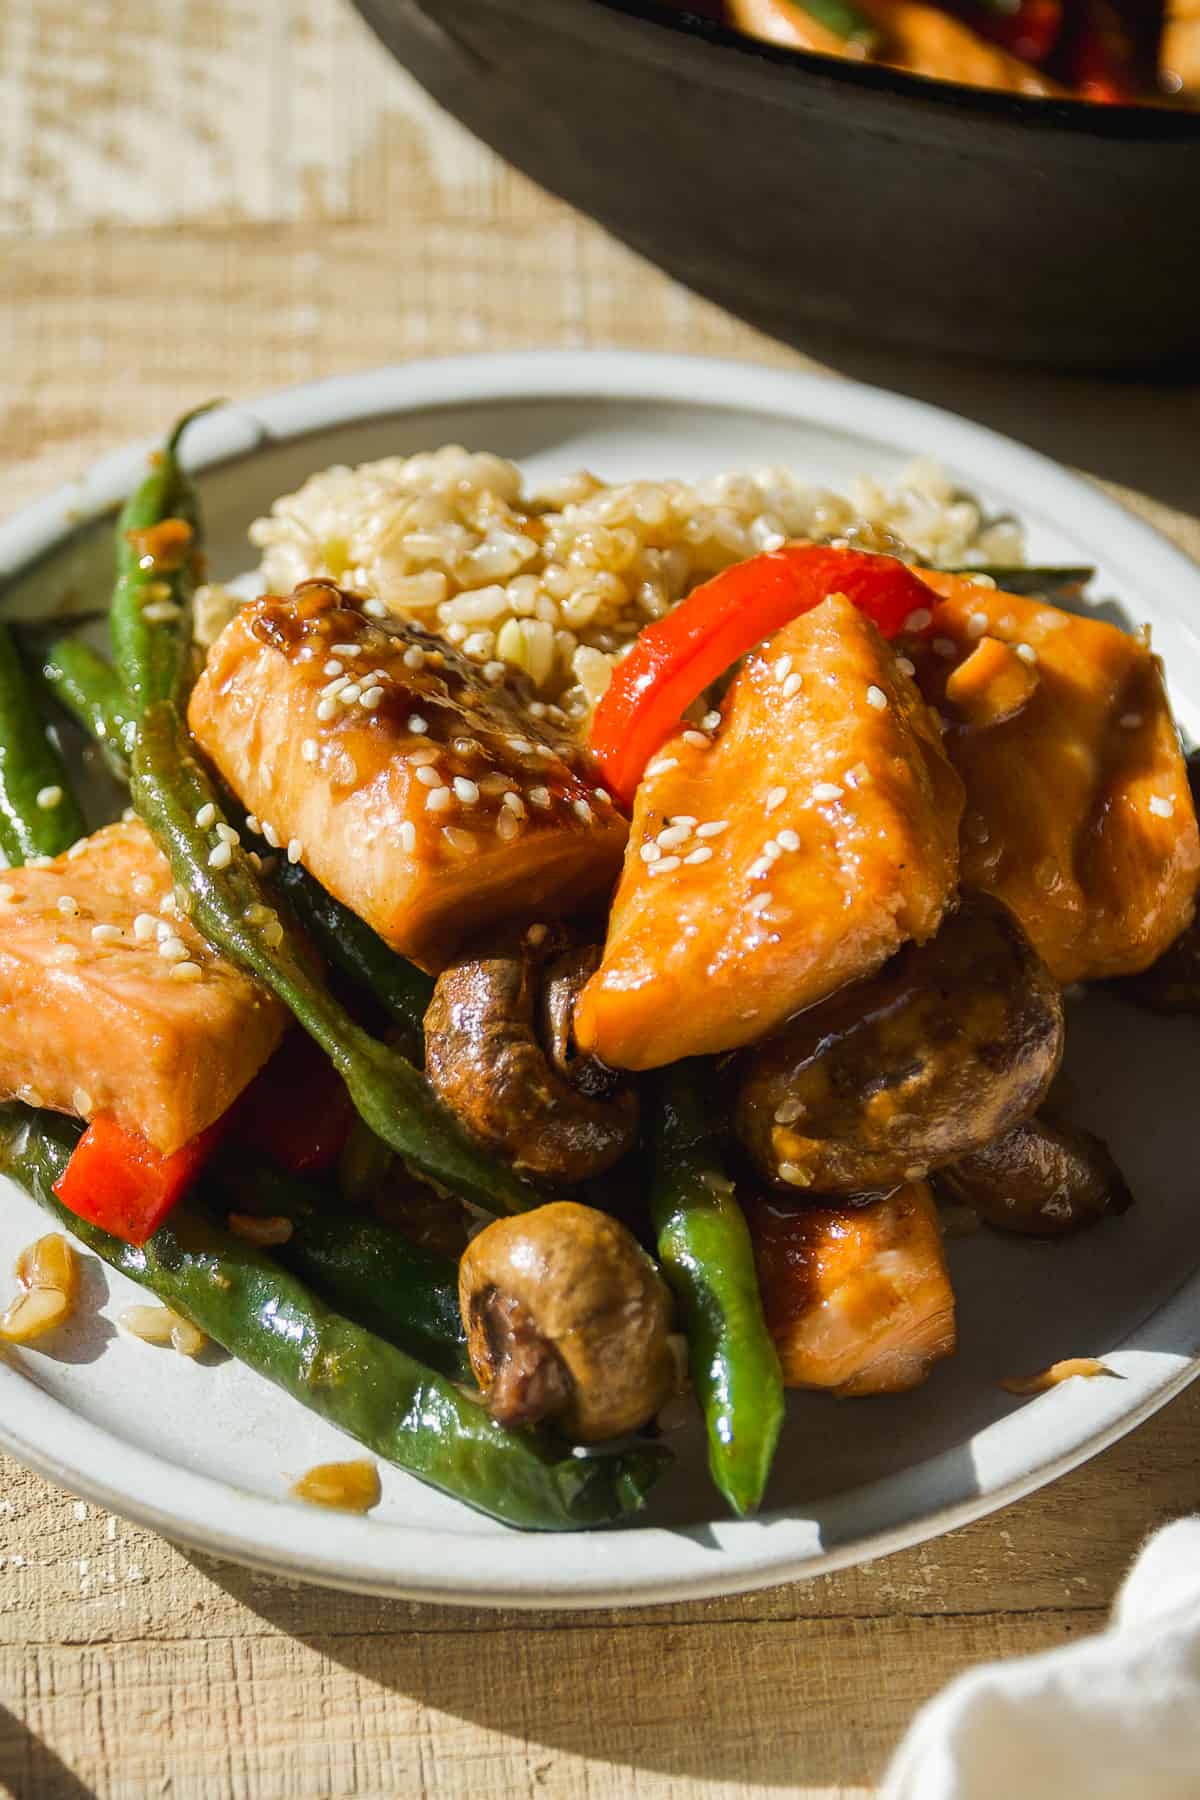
390, 1402
38, 813
1040, 583
151, 618
170, 789
402, 989
846, 21
706, 1255
395, 1288
230, 904
90, 690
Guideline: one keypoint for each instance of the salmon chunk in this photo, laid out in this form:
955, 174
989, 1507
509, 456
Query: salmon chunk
1079, 816
857, 1299
110, 1002
789, 848
429, 801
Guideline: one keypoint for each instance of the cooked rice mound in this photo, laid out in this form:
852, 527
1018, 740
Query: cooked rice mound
559, 583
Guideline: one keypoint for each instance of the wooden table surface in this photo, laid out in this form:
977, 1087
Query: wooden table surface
217, 197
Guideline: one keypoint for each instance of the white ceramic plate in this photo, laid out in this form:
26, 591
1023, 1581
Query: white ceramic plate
204, 1453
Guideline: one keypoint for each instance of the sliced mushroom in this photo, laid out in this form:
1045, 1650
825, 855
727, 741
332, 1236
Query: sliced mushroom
567, 1319
1041, 1179
952, 1043
559, 1115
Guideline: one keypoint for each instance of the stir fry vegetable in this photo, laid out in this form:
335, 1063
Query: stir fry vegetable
706, 1254
38, 813
401, 1410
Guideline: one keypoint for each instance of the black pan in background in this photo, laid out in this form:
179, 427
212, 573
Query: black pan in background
819, 198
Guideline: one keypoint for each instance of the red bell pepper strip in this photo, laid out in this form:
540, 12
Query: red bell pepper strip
675, 659
297, 1110
117, 1179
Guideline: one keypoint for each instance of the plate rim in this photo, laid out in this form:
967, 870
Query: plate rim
517, 1569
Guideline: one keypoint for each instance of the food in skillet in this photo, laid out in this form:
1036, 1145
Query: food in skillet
1111, 52
561, 942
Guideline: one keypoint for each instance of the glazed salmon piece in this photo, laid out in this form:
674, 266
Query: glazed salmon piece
95, 1019
427, 800
857, 1299
1079, 815
786, 851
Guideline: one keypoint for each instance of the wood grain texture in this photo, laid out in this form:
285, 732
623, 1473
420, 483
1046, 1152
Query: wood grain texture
217, 197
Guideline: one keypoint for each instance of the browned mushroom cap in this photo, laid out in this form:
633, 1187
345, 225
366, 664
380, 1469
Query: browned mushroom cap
567, 1319
953, 1042
484, 1059
1040, 1178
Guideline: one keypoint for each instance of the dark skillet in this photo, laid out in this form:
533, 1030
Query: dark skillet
820, 198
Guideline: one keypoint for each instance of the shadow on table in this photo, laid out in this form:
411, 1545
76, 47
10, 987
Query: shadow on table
29, 1770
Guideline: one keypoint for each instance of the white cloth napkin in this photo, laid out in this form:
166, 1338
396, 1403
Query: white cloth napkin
1115, 1717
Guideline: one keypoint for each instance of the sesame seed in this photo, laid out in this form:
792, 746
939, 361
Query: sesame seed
782, 668
414, 657
699, 855
377, 677
81, 1100
906, 666
710, 721
713, 828
375, 609
760, 902
160, 611
68, 905
539, 796
1162, 806
173, 949
464, 842
663, 764
221, 856
128, 815
270, 833
794, 1175
372, 697
106, 934
650, 853
775, 797
252, 825
665, 866
977, 624
1027, 653
255, 861
417, 725
494, 673
1130, 721
295, 850
877, 698
682, 819
507, 825
788, 1111
428, 774
771, 850
944, 647
186, 971
326, 710
761, 867
38, 862
788, 840
78, 849
697, 738
350, 694
673, 836
227, 834
521, 745
514, 803
49, 797
920, 620
65, 953
332, 667
438, 799
603, 795
346, 649
466, 791
333, 688
583, 811
206, 816
792, 686
309, 750
408, 837
824, 791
